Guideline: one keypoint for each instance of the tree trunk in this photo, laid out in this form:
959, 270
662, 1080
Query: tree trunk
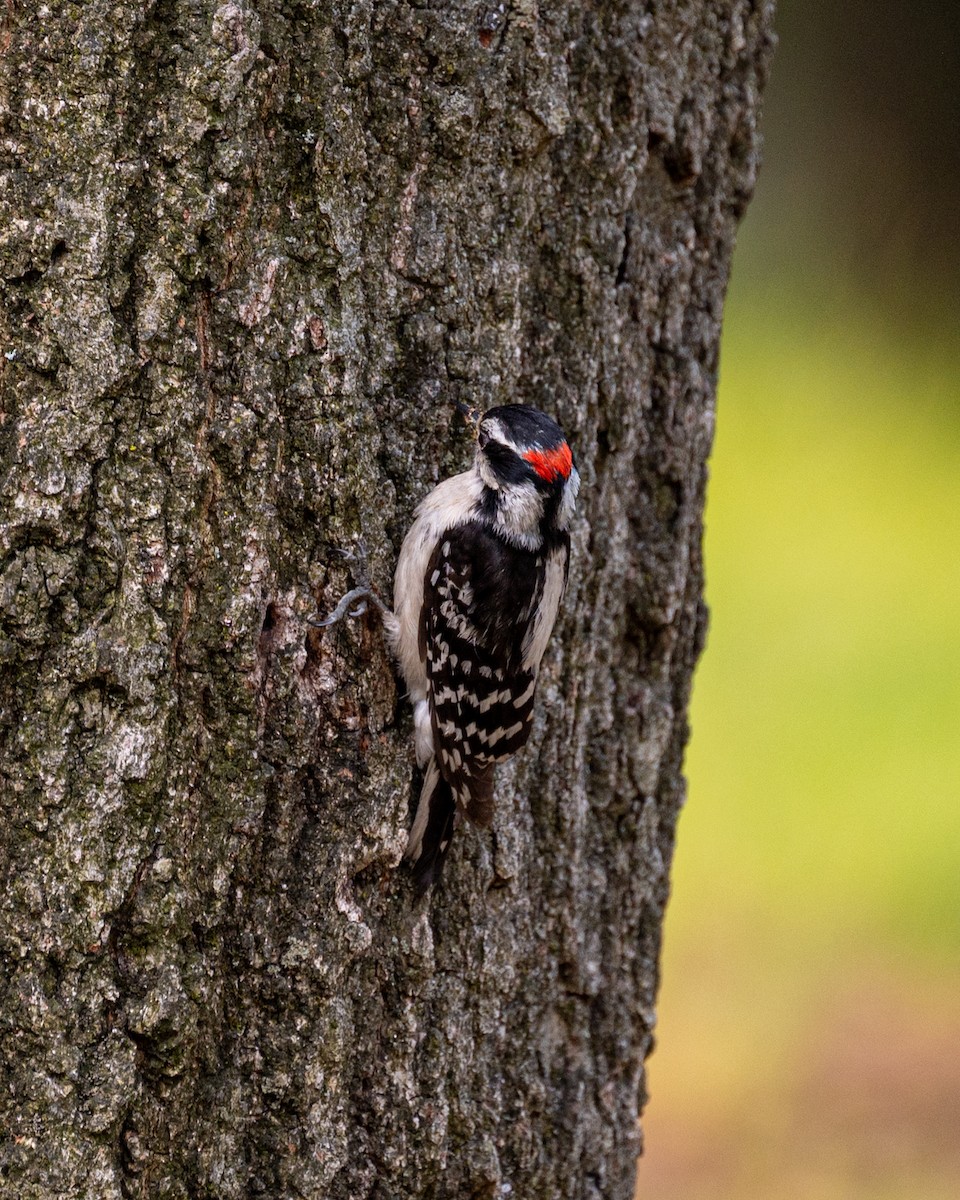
249, 252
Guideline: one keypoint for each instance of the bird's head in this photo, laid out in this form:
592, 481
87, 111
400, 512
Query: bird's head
527, 470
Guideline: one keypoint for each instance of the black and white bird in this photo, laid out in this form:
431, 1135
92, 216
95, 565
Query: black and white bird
477, 589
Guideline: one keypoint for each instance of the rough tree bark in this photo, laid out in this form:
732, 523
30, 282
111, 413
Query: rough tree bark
249, 251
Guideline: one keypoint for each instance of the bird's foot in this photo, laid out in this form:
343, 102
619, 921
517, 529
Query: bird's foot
362, 595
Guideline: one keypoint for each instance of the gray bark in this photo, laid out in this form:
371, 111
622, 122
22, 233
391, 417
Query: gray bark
248, 253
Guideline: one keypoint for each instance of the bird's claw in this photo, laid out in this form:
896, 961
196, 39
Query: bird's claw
363, 593
343, 609
357, 557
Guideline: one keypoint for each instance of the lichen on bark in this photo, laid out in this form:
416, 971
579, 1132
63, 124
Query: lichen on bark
248, 254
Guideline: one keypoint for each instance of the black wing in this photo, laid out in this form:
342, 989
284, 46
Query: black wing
479, 598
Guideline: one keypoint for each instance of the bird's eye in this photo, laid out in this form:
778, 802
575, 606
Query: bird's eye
482, 438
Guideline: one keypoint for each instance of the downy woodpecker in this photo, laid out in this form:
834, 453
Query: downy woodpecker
477, 589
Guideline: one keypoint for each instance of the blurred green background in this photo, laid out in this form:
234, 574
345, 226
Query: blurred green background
809, 1023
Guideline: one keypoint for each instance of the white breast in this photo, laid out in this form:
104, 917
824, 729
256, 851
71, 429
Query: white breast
538, 634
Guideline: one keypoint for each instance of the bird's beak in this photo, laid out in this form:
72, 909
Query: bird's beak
472, 416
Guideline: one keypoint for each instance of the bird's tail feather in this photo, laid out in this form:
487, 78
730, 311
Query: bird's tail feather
432, 829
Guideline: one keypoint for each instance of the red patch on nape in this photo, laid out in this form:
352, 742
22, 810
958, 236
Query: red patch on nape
548, 464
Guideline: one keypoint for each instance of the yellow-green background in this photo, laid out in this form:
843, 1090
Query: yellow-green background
809, 1023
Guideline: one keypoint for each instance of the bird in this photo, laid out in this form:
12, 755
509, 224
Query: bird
478, 586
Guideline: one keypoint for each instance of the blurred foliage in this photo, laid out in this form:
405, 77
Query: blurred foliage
810, 1014
809, 1031
826, 709
863, 145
